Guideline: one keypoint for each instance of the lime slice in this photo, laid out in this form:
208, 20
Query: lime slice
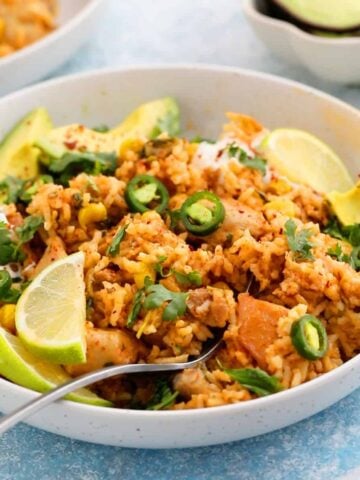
303, 158
50, 315
23, 368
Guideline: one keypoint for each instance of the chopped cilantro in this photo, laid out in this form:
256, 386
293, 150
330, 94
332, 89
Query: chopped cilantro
70, 164
299, 242
163, 396
187, 279
136, 307
159, 267
255, 380
27, 230
157, 295
114, 247
9, 251
255, 162
10, 189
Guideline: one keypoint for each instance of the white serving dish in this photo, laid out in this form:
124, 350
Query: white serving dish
204, 93
77, 19
332, 59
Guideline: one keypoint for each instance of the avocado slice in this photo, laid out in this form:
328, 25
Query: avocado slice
18, 156
327, 15
148, 121
346, 205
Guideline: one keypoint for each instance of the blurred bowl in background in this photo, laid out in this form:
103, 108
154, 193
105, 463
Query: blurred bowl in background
76, 20
332, 59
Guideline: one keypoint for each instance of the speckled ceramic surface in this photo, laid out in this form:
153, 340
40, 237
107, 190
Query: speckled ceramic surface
322, 447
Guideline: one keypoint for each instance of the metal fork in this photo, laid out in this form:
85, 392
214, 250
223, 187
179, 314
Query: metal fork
25, 411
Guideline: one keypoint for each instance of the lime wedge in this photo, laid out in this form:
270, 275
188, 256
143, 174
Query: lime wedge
303, 158
27, 370
50, 315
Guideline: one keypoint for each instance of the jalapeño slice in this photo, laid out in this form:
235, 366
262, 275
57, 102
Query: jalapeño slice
202, 213
145, 192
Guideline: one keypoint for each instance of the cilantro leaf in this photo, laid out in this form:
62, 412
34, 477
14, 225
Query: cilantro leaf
72, 163
114, 247
255, 163
136, 307
299, 242
187, 279
27, 230
10, 189
8, 248
255, 380
163, 396
159, 268
157, 295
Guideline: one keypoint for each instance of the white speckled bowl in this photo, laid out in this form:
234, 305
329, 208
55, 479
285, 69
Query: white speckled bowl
332, 59
77, 19
204, 93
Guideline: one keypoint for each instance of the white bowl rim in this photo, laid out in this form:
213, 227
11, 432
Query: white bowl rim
329, 377
250, 8
53, 36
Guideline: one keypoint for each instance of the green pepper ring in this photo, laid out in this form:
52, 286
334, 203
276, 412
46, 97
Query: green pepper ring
218, 213
134, 204
5, 282
301, 342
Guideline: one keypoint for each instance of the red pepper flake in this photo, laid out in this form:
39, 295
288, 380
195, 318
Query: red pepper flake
70, 145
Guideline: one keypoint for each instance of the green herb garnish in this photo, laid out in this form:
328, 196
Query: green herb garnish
136, 307
163, 396
70, 164
299, 242
10, 189
255, 162
187, 279
157, 295
199, 139
114, 247
255, 380
27, 230
159, 267
9, 251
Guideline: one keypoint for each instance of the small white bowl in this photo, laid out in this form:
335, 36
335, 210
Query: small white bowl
204, 93
77, 19
332, 59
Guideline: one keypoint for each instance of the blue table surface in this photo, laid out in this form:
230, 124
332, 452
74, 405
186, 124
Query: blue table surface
322, 447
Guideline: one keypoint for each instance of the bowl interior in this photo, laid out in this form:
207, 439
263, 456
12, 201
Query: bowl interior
205, 94
69, 8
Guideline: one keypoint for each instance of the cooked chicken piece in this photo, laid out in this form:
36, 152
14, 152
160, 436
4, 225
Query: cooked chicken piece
258, 322
192, 382
55, 250
107, 347
237, 219
214, 306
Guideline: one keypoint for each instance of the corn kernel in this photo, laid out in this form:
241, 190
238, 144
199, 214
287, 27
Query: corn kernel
95, 212
282, 205
279, 186
7, 317
144, 271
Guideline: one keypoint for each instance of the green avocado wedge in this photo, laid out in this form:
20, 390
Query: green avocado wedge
18, 156
327, 15
148, 121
